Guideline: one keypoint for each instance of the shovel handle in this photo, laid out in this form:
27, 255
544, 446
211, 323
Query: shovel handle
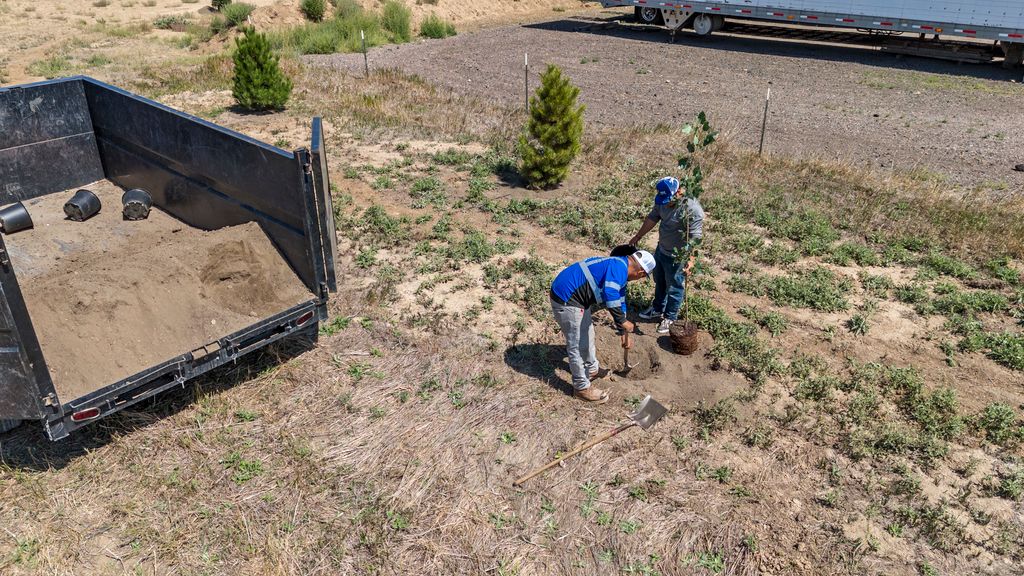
591, 442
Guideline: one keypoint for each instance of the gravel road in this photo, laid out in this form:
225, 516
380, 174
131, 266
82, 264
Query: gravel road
853, 104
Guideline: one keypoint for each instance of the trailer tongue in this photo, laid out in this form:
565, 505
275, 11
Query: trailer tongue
237, 253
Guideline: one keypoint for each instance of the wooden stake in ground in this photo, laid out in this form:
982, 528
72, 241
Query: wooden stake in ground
764, 121
526, 78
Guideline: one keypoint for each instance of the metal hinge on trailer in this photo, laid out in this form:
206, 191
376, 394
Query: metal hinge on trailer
50, 400
5, 260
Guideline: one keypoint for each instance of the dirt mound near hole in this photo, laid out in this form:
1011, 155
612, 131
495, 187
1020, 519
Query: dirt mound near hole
645, 355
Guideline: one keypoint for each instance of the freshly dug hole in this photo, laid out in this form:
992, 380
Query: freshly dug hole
645, 354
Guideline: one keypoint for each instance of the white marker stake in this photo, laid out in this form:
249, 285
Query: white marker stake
366, 63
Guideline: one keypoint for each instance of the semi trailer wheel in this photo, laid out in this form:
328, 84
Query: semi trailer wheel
648, 15
717, 23
703, 24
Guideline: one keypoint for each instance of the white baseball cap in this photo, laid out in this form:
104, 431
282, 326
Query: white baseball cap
645, 260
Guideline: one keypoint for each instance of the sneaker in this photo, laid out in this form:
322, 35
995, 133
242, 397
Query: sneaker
664, 326
649, 314
593, 395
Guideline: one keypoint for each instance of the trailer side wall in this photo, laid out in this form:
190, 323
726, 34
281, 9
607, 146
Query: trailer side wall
47, 142
203, 174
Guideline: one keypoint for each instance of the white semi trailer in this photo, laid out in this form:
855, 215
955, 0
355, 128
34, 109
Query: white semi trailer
1000, 21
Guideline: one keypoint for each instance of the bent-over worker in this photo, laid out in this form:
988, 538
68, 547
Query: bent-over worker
582, 288
680, 220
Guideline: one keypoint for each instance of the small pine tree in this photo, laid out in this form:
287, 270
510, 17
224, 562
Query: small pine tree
552, 138
314, 9
259, 83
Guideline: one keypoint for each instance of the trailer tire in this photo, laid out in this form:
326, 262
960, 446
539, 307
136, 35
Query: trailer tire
703, 24
717, 23
648, 16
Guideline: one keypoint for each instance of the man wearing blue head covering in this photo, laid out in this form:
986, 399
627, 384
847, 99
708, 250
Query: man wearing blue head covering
680, 221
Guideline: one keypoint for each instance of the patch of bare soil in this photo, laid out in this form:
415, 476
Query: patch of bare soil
109, 298
680, 382
858, 106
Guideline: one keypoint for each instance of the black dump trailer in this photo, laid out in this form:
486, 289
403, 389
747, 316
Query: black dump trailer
98, 314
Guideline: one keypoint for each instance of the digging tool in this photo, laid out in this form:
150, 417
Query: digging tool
626, 366
647, 413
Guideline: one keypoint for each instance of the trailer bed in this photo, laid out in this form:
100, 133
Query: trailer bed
110, 297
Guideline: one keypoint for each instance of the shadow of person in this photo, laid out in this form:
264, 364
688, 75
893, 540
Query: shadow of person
541, 361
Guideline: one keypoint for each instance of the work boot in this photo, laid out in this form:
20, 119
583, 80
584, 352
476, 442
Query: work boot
649, 314
592, 395
600, 373
665, 325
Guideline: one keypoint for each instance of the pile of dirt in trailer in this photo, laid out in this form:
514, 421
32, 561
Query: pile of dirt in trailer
110, 298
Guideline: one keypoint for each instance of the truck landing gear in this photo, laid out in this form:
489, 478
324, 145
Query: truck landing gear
1014, 54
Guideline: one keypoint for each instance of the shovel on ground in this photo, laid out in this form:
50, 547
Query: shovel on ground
647, 413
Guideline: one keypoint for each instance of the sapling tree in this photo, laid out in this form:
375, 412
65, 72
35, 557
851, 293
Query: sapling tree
691, 179
691, 175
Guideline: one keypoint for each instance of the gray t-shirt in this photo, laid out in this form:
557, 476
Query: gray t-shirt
672, 227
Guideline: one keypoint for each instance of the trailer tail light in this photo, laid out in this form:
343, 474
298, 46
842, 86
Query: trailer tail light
87, 414
304, 318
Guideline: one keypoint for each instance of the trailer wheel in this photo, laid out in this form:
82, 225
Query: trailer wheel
717, 23
703, 24
648, 15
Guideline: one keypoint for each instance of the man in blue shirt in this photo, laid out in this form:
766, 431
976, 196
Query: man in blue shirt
586, 286
680, 221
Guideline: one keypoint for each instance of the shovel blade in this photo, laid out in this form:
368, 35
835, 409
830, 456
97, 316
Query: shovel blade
648, 413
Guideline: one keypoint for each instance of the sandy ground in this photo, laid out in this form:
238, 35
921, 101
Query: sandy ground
860, 106
109, 298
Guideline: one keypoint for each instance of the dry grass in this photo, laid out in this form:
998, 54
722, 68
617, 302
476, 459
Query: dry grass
392, 450
964, 222
354, 480
392, 101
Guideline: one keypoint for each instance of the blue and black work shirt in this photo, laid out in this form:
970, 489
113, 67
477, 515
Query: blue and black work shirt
595, 283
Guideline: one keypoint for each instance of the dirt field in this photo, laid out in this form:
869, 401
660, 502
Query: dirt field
854, 407
864, 108
110, 298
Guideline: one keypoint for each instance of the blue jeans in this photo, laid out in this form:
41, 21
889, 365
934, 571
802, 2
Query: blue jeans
669, 286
